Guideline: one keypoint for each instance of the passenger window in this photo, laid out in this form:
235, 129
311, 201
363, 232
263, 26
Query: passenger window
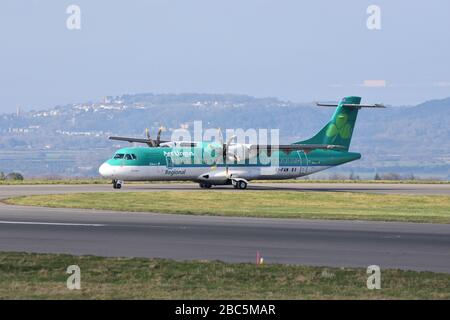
118, 156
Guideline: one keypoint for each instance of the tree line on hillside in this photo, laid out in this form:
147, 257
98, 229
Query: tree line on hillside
389, 176
11, 176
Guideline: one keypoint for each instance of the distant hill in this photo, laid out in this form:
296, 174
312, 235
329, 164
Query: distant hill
72, 139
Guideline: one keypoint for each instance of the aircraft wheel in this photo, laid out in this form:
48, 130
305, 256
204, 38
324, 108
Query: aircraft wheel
204, 185
117, 184
242, 185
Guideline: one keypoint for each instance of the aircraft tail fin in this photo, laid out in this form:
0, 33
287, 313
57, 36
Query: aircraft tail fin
339, 130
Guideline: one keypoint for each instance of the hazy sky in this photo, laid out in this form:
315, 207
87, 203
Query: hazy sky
291, 49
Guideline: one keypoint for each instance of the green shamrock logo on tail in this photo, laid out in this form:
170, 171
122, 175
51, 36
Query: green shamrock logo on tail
340, 128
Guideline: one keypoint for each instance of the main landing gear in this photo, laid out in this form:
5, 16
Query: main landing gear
239, 184
117, 184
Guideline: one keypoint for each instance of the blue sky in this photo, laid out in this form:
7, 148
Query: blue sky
295, 50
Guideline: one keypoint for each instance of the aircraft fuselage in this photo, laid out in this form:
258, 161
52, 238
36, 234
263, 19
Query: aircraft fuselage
166, 164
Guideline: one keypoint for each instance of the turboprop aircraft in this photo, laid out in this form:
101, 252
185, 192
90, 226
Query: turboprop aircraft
232, 163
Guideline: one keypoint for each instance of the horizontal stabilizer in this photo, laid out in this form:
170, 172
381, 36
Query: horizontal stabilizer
351, 105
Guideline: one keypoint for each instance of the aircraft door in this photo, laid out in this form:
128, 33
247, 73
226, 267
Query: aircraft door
303, 162
169, 163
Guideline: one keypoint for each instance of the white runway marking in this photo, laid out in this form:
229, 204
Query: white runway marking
53, 223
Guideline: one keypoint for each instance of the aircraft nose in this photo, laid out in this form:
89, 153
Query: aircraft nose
105, 170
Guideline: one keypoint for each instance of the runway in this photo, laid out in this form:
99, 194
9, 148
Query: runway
383, 188
182, 237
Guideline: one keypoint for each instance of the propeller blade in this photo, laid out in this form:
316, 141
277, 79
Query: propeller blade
226, 146
158, 137
231, 139
225, 155
220, 135
150, 142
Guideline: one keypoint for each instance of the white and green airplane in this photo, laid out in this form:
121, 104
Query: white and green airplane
231, 163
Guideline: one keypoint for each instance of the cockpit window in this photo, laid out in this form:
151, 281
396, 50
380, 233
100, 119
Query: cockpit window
130, 156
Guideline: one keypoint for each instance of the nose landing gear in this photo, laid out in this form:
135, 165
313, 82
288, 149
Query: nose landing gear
117, 184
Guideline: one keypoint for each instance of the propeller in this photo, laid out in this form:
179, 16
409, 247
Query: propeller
225, 147
151, 142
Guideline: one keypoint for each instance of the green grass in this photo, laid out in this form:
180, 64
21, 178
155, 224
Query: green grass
276, 204
43, 276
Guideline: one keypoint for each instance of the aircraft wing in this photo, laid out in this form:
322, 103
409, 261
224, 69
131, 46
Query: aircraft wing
130, 140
